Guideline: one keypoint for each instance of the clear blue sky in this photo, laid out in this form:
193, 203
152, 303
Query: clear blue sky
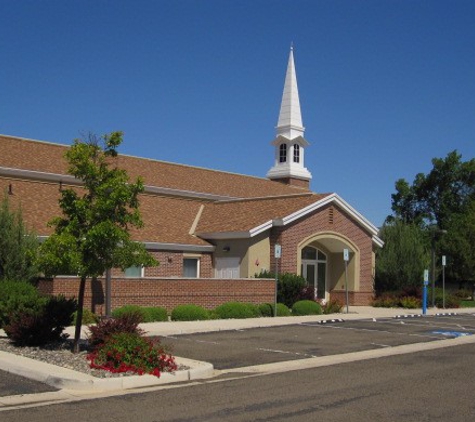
385, 85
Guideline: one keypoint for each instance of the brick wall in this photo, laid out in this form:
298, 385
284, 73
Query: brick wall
167, 293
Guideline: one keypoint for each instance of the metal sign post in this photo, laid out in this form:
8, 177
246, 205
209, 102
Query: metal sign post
444, 262
346, 258
277, 256
424, 292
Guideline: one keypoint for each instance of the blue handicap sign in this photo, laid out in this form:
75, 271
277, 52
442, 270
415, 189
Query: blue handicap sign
452, 334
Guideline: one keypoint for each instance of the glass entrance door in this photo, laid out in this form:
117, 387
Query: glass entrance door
314, 269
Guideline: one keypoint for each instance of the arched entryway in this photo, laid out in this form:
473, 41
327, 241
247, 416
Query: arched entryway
320, 260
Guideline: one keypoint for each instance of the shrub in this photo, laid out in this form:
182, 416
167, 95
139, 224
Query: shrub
333, 306
289, 288
385, 301
451, 301
135, 310
283, 310
16, 296
267, 310
463, 294
237, 310
154, 314
306, 307
125, 351
127, 323
307, 293
147, 313
42, 324
189, 313
88, 317
410, 302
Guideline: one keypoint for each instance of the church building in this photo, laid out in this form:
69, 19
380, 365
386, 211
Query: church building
212, 231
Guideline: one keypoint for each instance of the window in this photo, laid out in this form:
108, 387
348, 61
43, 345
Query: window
296, 153
191, 267
133, 272
283, 153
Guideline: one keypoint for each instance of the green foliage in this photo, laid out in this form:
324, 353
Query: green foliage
458, 244
129, 352
93, 233
237, 310
88, 317
189, 313
443, 201
451, 300
289, 288
129, 310
41, 324
402, 260
267, 310
386, 301
333, 306
306, 307
17, 246
16, 296
155, 314
145, 313
127, 323
410, 302
434, 197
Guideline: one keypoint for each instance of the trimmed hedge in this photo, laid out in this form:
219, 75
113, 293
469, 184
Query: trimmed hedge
306, 307
146, 313
237, 310
267, 310
189, 313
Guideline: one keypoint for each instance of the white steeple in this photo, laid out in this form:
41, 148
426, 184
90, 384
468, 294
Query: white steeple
290, 117
289, 142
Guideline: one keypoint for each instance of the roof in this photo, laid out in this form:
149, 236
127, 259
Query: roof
248, 217
182, 205
49, 158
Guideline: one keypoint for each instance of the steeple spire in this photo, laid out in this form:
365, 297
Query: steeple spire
290, 117
289, 142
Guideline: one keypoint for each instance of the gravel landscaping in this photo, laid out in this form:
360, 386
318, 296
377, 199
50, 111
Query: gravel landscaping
60, 354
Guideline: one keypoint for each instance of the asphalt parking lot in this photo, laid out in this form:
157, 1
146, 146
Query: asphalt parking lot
256, 346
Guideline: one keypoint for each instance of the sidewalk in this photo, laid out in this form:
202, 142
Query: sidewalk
66, 379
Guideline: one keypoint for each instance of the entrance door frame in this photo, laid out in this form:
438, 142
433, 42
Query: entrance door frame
316, 262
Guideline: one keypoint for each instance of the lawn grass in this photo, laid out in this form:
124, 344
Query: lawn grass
467, 304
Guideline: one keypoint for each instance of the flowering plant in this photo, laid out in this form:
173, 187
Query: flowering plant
124, 352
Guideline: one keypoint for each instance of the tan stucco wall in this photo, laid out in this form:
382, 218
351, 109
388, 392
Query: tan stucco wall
248, 251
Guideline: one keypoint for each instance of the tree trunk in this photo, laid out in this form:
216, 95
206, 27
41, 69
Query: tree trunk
77, 332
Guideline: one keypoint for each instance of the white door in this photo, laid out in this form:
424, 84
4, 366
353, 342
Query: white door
227, 267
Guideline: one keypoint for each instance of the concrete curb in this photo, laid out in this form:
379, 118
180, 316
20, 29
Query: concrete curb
63, 378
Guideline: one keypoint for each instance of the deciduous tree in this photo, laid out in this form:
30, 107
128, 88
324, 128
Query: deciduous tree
93, 235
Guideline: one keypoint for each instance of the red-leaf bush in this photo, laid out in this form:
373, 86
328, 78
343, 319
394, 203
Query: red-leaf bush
125, 352
127, 323
41, 324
